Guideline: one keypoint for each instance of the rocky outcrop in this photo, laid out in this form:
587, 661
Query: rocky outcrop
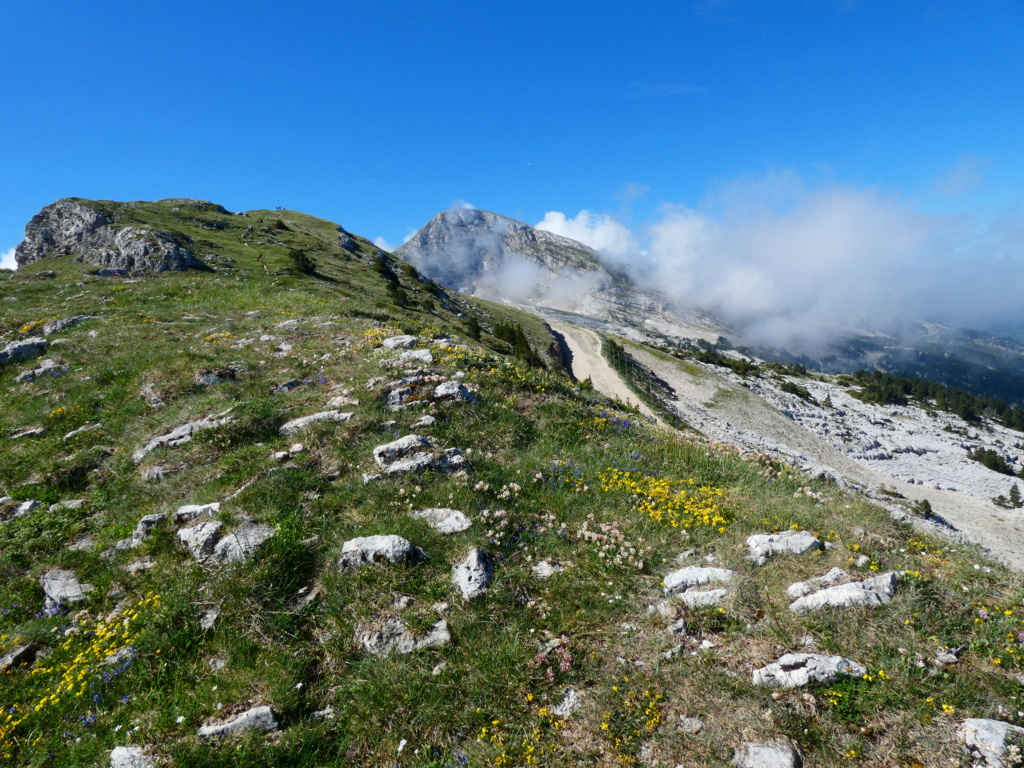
70, 227
24, 349
256, 719
986, 740
474, 575
794, 670
870, 592
392, 636
764, 545
367, 550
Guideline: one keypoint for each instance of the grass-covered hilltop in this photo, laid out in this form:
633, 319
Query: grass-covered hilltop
271, 498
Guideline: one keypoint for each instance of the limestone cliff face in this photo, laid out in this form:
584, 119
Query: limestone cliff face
70, 227
498, 258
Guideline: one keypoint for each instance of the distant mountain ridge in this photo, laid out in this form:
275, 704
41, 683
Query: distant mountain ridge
499, 258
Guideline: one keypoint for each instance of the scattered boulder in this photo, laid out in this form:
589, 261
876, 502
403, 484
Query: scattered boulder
399, 342
389, 453
22, 654
47, 367
545, 569
986, 740
870, 592
830, 579
62, 587
293, 426
368, 550
775, 754
444, 520
685, 579
571, 701
794, 670
763, 545
130, 757
190, 512
393, 636
474, 575
452, 391
56, 326
23, 349
201, 538
256, 719
417, 356
182, 434
242, 542
25, 508
413, 453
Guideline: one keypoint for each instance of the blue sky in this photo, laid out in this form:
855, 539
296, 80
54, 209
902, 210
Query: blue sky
378, 115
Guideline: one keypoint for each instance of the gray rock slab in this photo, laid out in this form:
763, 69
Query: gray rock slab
399, 342
46, 368
570, 703
62, 587
23, 349
761, 546
702, 598
794, 670
870, 592
181, 434
201, 539
368, 550
56, 326
767, 755
452, 391
444, 520
130, 757
392, 636
293, 426
987, 740
389, 453
256, 719
830, 579
545, 569
190, 512
695, 576
474, 575
424, 421
22, 654
241, 543
417, 356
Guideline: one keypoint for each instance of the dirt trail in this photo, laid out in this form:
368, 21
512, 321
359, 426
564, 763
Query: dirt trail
726, 412
588, 362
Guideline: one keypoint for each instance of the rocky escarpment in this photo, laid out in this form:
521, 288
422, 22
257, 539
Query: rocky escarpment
69, 227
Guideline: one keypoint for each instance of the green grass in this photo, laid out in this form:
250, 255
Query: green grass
537, 447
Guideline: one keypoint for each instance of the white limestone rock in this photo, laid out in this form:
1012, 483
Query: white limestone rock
62, 587
767, 755
295, 425
474, 575
389, 453
190, 512
130, 757
702, 598
425, 421
51, 327
986, 740
368, 550
870, 592
452, 391
761, 546
695, 576
830, 579
417, 356
182, 434
570, 703
241, 543
794, 670
399, 342
444, 520
256, 719
202, 538
23, 349
392, 636
545, 569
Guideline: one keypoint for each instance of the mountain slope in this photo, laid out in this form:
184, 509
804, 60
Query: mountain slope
191, 487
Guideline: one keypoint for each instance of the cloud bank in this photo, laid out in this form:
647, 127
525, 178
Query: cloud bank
796, 266
7, 260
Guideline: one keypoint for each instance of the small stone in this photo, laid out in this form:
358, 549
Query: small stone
327, 713
256, 719
399, 342
764, 545
795, 670
139, 565
691, 725
201, 538
986, 740
444, 520
293, 426
130, 757
545, 569
367, 550
190, 512
452, 391
393, 636
571, 701
801, 588
695, 576
678, 627
862, 561
26, 508
948, 658
241, 543
22, 654
25, 349
424, 421
209, 619
182, 434
703, 598
767, 755
870, 592
417, 356
83, 544
287, 386
474, 575
389, 453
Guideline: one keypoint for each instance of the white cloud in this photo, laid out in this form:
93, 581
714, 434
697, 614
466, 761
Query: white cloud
601, 232
791, 265
966, 175
383, 244
7, 259
461, 205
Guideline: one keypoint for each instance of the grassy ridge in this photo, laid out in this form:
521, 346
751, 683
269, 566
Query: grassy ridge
554, 472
